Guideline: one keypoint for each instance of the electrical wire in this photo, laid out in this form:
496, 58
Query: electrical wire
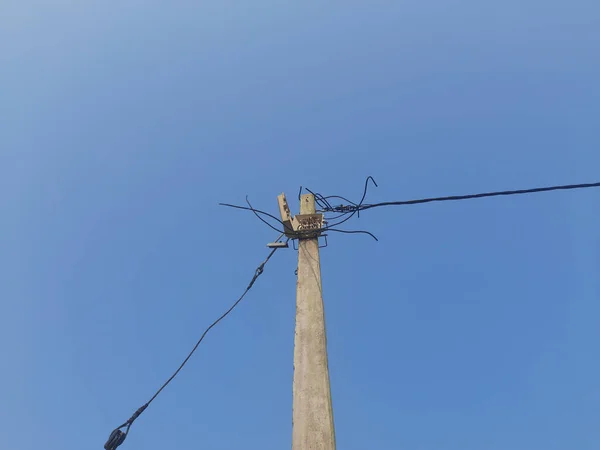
361, 207
356, 210
352, 232
341, 198
256, 212
346, 211
320, 200
117, 436
335, 217
299, 234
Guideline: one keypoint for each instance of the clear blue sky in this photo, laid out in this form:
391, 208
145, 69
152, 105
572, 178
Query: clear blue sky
469, 326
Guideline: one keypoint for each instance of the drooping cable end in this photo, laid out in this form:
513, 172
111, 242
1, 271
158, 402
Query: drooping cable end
115, 439
365, 193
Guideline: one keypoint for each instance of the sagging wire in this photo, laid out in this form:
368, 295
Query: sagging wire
117, 436
353, 232
344, 212
362, 207
257, 212
286, 229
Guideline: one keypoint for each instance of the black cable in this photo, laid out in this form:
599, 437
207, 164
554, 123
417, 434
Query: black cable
341, 198
358, 207
348, 211
320, 200
351, 232
324, 200
258, 211
117, 436
481, 195
336, 217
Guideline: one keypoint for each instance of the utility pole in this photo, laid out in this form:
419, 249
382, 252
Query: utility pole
312, 415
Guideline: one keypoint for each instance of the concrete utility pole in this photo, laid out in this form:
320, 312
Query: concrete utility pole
313, 427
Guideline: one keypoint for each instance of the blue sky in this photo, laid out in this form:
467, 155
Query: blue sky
469, 326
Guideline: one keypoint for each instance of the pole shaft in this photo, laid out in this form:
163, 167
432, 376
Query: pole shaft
313, 427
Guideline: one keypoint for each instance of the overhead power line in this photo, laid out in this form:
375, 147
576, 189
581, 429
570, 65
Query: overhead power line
361, 207
344, 212
285, 228
117, 436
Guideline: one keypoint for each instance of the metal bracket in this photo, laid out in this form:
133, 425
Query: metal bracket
277, 245
326, 243
295, 246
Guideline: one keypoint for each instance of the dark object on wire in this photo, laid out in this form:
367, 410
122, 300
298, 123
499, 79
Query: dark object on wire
117, 436
360, 207
115, 439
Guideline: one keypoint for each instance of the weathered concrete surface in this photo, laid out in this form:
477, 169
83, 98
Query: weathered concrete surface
313, 427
